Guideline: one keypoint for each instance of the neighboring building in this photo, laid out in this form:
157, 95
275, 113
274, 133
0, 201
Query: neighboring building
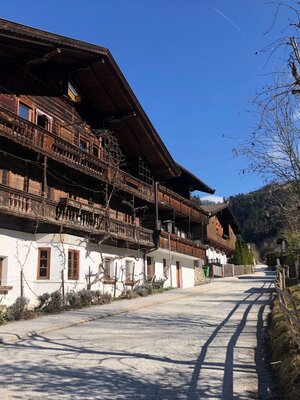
220, 233
87, 187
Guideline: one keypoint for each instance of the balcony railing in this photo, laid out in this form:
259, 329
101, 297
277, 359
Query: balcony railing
227, 245
35, 137
181, 245
72, 215
172, 200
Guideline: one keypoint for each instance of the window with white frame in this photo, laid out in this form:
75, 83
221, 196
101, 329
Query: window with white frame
129, 270
109, 272
43, 120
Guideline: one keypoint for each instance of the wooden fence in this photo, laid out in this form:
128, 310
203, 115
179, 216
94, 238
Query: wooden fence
289, 304
225, 270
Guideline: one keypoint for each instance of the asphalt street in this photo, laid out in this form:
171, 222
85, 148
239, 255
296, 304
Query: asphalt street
205, 344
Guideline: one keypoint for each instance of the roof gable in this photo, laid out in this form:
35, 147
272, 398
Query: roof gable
109, 101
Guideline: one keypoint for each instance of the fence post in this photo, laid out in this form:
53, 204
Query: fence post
283, 278
21, 283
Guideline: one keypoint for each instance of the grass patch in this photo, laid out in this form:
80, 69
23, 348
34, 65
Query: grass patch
285, 352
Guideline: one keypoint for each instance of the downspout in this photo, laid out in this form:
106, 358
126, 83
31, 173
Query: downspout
156, 239
156, 204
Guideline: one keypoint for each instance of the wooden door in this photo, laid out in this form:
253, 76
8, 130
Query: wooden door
1, 263
178, 274
150, 268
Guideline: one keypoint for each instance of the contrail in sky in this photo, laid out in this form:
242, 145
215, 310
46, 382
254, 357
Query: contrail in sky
231, 22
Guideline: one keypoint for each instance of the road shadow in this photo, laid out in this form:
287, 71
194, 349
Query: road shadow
225, 390
50, 379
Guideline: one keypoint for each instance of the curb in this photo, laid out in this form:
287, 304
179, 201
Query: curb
13, 338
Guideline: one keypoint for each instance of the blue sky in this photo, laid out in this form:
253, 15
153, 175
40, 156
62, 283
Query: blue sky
191, 64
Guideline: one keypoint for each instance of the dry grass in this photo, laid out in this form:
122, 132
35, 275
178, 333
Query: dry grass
285, 352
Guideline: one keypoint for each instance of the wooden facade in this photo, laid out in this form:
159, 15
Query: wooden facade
79, 157
222, 229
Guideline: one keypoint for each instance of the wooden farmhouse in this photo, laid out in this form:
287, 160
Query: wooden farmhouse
89, 194
220, 233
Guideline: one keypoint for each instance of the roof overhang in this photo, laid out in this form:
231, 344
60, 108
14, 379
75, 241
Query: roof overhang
51, 61
194, 182
224, 213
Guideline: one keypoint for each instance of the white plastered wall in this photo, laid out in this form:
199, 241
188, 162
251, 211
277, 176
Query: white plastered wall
186, 268
213, 254
20, 251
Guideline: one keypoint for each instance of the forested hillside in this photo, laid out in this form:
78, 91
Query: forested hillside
259, 214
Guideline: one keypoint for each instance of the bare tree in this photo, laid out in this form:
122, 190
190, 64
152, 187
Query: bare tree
115, 159
286, 50
273, 147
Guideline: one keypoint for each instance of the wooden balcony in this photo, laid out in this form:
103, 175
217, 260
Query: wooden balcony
36, 138
217, 241
71, 215
180, 245
184, 207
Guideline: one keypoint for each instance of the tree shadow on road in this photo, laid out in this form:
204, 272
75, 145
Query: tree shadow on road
225, 389
65, 376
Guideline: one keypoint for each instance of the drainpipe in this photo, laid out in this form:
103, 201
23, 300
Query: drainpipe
156, 204
156, 228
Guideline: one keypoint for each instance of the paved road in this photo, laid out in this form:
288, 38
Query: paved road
206, 345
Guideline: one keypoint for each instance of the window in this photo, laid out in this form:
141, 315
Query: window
108, 269
43, 263
25, 112
96, 151
145, 174
150, 268
73, 264
43, 120
4, 176
165, 268
83, 145
72, 93
129, 270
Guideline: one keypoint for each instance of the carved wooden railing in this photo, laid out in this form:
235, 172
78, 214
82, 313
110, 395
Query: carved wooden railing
167, 197
41, 140
72, 215
132, 184
181, 245
228, 245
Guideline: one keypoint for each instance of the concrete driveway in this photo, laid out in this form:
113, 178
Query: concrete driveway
205, 345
